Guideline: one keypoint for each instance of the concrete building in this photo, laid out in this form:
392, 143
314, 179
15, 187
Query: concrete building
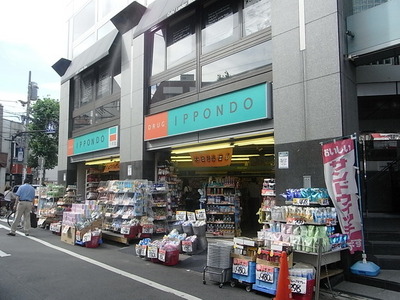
270, 80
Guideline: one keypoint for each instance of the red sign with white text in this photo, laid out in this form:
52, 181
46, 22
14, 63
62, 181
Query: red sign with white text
340, 180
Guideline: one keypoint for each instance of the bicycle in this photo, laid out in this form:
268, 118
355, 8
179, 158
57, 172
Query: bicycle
10, 218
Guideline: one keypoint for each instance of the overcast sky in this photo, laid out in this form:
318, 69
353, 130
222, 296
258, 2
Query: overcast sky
32, 38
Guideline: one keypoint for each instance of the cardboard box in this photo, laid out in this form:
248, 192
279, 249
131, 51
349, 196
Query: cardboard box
275, 264
244, 257
97, 224
68, 234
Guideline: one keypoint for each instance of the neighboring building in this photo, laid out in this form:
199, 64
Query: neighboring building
11, 168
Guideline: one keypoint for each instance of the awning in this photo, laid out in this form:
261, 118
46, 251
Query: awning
158, 11
90, 56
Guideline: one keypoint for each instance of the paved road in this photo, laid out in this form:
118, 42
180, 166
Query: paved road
41, 266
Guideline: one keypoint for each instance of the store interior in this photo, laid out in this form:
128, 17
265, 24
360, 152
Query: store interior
252, 161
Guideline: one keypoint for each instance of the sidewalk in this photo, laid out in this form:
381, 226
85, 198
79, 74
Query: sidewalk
344, 290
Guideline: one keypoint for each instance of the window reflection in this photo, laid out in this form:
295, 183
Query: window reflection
181, 42
220, 25
104, 84
238, 63
256, 15
83, 120
175, 86
107, 112
87, 84
158, 63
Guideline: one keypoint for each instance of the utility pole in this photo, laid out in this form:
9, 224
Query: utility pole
32, 96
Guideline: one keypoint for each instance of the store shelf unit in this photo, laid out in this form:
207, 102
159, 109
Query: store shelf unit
166, 176
159, 207
223, 207
124, 203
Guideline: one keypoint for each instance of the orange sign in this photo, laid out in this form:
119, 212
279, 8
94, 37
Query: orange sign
212, 158
156, 126
113, 166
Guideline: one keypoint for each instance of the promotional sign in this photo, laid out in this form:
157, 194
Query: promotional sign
212, 158
340, 180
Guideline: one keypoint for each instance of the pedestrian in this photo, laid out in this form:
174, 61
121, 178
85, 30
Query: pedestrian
9, 197
25, 196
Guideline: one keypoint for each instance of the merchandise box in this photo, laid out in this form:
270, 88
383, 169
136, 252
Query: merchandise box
68, 234
81, 232
275, 264
244, 257
246, 241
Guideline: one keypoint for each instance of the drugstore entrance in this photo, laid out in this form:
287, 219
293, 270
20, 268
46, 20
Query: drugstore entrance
251, 161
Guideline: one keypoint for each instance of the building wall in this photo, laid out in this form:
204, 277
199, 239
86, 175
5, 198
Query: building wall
314, 92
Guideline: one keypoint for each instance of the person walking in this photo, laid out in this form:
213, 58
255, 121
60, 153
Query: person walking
25, 196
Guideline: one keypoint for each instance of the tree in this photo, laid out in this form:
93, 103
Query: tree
43, 141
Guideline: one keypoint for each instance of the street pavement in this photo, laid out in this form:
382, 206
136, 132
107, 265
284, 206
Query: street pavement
41, 266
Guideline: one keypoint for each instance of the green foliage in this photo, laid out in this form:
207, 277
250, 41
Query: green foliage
44, 115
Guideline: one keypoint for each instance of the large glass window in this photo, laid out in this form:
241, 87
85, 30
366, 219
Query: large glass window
104, 81
220, 25
84, 20
159, 56
86, 87
181, 42
82, 121
237, 64
107, 112
178, 85
256, 15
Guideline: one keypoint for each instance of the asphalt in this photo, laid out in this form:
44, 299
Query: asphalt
341, 289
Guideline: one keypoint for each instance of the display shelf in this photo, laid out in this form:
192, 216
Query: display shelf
160, 206
223, 207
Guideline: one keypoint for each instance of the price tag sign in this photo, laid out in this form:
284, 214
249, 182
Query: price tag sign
107, 214
161, 255
323, 201
265, 273
181, 215
294, 221
298, 284
301, 201
147, 229
125, 217
240, 266
200, 214
187, 246
87, 237
143, 250
191, 216
125, 229
152, 252
138, 250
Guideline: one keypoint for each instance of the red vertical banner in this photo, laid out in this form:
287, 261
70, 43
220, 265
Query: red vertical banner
340, 180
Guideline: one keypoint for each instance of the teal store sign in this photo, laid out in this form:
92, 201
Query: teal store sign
94, 141
245, 105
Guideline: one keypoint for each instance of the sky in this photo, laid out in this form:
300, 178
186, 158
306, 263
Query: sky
33, 37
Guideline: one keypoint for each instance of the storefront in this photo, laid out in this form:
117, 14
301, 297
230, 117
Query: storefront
96, 158
241, 151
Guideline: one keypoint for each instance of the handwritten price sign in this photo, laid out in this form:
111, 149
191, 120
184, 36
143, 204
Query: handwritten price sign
161, 255
240, 266
265, 273
298, 284
187, 246
152, 252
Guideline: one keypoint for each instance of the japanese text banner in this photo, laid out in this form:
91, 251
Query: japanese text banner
340, 180
212, 158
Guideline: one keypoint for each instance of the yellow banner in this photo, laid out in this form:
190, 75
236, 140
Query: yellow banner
212, 158
110, 167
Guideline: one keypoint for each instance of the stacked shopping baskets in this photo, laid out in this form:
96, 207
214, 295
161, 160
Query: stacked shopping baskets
219, 262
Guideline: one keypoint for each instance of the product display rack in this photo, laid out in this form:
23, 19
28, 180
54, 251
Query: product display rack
223, 207
317, 255
160, 207
123, 202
